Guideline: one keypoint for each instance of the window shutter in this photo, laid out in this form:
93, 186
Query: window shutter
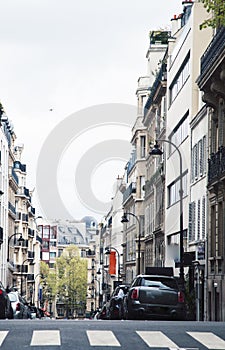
203, 217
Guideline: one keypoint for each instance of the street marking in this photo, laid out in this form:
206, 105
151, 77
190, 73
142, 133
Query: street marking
3, 334
157, 340
40, 338
209, 340
102, 338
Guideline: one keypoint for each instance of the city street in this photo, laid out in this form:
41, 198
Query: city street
88, 334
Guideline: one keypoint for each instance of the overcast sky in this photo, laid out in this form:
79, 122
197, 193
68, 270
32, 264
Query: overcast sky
59, 57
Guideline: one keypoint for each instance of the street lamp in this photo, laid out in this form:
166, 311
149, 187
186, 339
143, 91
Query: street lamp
21, 281
20, 240
156, 151
108, 250
125, 219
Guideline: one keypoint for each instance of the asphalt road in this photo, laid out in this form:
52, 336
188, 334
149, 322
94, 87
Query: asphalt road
110, 335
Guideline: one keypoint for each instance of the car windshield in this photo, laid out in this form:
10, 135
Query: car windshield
12, 297
159, 282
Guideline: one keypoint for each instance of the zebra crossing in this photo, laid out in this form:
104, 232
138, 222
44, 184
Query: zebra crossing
106, 338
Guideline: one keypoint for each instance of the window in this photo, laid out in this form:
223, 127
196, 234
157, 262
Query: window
174, 190
45, 233
191, 224
203, 217
180, 133
180, 79
52, 255
143, 146
198, 161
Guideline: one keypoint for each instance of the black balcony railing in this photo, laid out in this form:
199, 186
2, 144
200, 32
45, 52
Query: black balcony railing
216, 165
129, 191
213, 51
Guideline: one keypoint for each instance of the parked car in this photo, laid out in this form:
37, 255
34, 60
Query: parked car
19, 305
6, 310
154, 297
115, 305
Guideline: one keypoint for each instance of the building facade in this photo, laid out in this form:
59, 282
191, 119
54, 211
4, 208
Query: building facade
212, 82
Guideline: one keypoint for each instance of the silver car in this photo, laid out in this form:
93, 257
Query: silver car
19, 306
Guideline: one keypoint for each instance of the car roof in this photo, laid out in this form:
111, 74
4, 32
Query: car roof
163, 276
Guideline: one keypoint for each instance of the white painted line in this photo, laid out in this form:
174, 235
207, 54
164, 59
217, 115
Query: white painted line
46, 337
209, 340
102, 338
157, 340
3, 334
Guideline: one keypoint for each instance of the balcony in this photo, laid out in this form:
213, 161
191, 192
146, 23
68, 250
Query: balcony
131, 189
214, 50
216, 166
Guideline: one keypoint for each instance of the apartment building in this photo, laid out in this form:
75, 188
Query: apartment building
135, 244
186, 46
6, 133
212, 82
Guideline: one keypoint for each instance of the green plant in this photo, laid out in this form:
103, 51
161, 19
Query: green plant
217, 8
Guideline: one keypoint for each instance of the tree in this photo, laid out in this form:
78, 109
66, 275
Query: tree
217, 8
48, 282
71, 272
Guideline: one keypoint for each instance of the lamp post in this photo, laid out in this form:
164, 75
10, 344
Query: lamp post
95, 279
21, 282
20, 239
125, 219
157, 152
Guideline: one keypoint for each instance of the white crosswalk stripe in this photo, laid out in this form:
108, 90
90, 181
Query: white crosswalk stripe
156, 339
47, 337
102, 338
3, 334
209, 340
153, 339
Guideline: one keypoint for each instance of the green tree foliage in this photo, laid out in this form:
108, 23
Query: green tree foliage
48, 280
71, 272
217, 8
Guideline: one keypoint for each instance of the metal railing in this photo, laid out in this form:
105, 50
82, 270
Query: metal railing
216, 165
214, 49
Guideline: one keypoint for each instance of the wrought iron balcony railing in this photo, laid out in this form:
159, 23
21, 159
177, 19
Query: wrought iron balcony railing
213, 51
216, 165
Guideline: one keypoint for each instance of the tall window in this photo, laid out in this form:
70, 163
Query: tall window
143, 146
180, 79
198, 159
174, 190
180, 132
